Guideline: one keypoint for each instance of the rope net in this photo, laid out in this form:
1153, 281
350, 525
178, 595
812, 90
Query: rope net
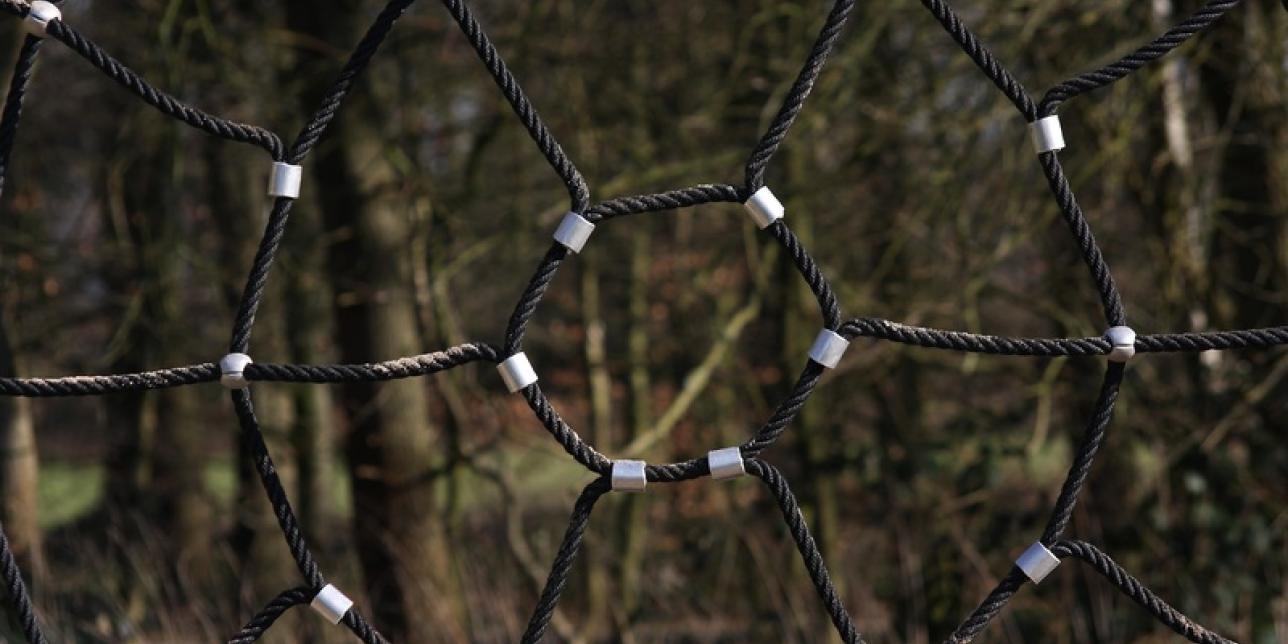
1051, 548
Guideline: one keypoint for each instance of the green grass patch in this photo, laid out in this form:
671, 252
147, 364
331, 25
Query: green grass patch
68, 491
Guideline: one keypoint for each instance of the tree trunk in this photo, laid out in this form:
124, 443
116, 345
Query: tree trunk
634, 525
390, 447
20, 470
261, 561
599, 392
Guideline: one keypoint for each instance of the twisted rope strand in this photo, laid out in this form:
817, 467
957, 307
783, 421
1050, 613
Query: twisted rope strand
984, 59
1091, 442
972, 342
810, 555
260, 623
670, 200
409, 367
99, 385
795, 100
167, 104
16, 591
558, 579
988, 609
254, 447
1091, 255
15, 588
253, 292
353, 68
1156, 48
12, 114
509, 85
429, 363
1131, 587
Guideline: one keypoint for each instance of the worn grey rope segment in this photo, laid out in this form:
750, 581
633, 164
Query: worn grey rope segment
429, 363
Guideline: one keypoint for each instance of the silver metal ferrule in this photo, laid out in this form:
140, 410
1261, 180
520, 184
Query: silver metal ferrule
628, 476
39, 16
517, 372
331, 603
573, 231
231, 368
1047, 135
284, 181
725, 463
764, 207
828, 348
1123, 339
1037, 562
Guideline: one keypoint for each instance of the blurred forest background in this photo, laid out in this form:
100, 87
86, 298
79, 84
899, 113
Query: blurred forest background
439, 502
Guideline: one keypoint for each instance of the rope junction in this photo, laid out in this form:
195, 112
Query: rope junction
236, 370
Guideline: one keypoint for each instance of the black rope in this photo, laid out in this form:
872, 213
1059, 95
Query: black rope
15, 7
1082, 462
531, 297
1131, 587
167, 104
1091, 255
255, 628
671, 200
786, 411
989, 608
359, 626
408, 367
253, 292
13, 101
16, 590
567, 437
972, 342
15, 587
810, 554
983, 58
253, 443
1120, 68
357, 62
795, 100
558, 578
567, 170
809, 270
286, 600
254, 447
98, 385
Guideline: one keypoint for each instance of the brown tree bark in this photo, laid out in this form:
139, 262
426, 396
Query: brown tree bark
20, 468
390, 447
19, 471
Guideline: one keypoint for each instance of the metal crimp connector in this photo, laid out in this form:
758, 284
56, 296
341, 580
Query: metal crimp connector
331, 603
828, 348
231, 368
517, 372
628, 476
764, 207
1037, 562
1047, 135
573, 232
725, 463
39, 16
1123, 339
284, 181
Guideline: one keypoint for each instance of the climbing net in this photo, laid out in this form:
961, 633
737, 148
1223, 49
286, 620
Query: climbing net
236, 370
